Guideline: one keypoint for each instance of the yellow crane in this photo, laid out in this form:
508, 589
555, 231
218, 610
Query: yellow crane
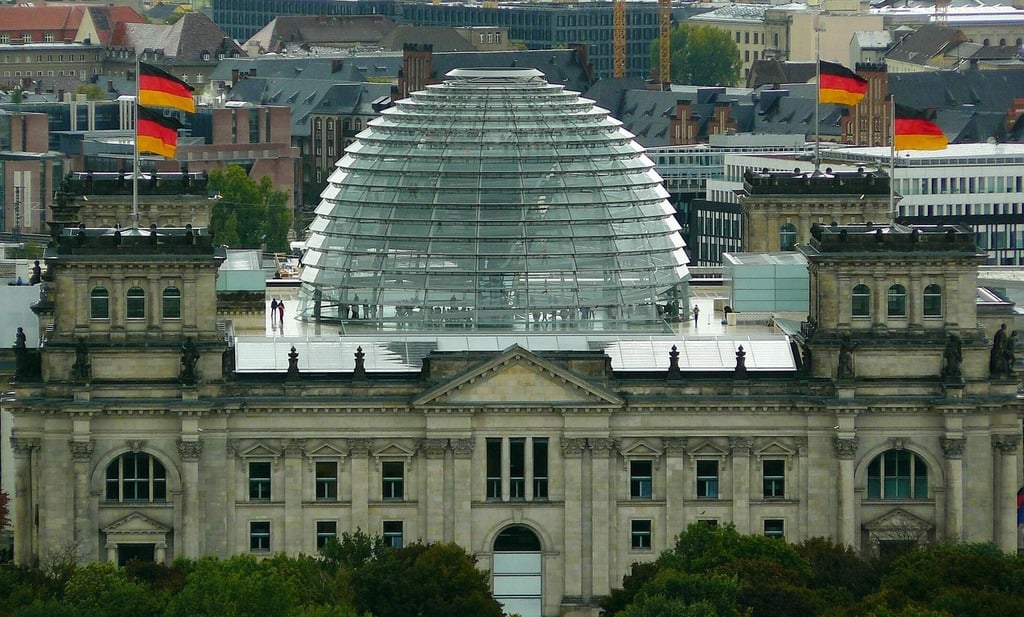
664, 42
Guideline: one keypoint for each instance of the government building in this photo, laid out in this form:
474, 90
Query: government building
493, 345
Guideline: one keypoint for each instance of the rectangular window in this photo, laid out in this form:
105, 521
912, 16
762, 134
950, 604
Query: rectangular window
540, 468
325, 530
707, 479
259, 536
393, 534
774, 476
774, 528
259, 481
640, 480
494, 468
517, 468
393, 479
640, 535
326, 480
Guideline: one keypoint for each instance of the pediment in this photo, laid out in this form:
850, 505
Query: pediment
707, 449
136, 524
259, 450
640, 449
325, 450
776, 450
899, 521
514, 377
394, 450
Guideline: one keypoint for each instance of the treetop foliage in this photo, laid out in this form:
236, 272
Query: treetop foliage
249, 213
701, 56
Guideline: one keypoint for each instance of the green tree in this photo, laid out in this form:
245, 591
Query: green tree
92, 92
236, 587
4, 512
249, 213
103, 590
436, 580
701, 56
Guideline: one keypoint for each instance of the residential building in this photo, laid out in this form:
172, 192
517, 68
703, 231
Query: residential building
29, 173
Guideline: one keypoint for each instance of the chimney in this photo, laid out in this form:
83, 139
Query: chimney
110, 85
234, 77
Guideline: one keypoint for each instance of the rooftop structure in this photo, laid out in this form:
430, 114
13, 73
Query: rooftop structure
493, 200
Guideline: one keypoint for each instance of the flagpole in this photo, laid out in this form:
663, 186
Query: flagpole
892, 157
135, 148
817, 93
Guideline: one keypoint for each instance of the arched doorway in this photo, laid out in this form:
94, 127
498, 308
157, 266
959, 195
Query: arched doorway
517, 571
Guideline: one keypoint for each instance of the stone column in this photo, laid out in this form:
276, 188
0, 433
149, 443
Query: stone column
81, 454
845, 300
111, 552
953, 449
675, 464
572, 454
506, 469
846, 450
1006, 492
915, 302
160, 555
189, 303
741, 447
192, 518
462, 530
294, 532
433, 450
880, 299
601, 528
528, 471
154, 298
24, 501
359, 450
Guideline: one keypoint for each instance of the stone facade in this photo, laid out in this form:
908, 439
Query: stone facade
603, 468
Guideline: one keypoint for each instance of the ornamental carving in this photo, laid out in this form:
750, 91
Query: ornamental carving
845, 448
81, 451
136, 445
23, 446
433, 447
601, 446
573, 447
294, 447
674, 446
189, 450
741, 445
1006, 444
463, 448
360, 447
953, 447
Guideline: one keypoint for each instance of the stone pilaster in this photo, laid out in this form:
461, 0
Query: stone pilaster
462, 453
1005, 499
953, 450
572, 453
675, 465
293, 536
434, 450
81, 455
602, 500
26, 535
359, 449
741, 448
846, 451
189, 451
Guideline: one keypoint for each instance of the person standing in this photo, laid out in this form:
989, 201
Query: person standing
273, 312
696, 314
280, 313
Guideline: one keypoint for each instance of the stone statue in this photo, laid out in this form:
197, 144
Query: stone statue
1009, 353
37, 274
293, 365
845, 369
20, 340
189, 359
82, 369
952, 356
997, 366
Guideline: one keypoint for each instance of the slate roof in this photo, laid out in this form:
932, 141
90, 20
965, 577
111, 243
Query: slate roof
441, 38
775, 73
107, 20
925, 43
992, 90
321, 30
161, 11
183, 42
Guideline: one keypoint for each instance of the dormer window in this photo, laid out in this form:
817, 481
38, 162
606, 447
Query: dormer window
206, 56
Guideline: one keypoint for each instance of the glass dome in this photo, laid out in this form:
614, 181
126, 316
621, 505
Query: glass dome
493, 200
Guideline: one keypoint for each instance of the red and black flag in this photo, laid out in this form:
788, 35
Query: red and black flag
838, 84
157, 133
158, 88
914, 130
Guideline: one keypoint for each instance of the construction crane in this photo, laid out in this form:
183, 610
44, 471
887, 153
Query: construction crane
664, 42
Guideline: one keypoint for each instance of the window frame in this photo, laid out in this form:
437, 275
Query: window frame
913, 485
787, 237
391, 482
135, 303
517, 468
774, 483
493, 462
708, 485
259, 536
325, 530
896, 301
170, 298
641, 534
931, 304
860, 301
393, 538
328, 483
261, 486
153, 478
641, 481
98, 295
774, 528
541, 458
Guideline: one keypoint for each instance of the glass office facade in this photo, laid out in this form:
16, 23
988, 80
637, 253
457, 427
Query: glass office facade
493, 200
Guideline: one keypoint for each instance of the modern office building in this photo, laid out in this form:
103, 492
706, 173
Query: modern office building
557, 451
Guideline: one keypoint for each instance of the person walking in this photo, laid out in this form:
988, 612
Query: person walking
280, 313
696, 314
273, 312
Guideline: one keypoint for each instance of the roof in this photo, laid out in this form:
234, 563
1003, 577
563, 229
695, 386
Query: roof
441, 38
776, 72
872, 39
183, 42
38, 18
107, 19
925, 43
324, 30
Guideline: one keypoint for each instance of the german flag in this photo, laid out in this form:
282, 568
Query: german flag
157, 133
839, 84
915, 131
158, 88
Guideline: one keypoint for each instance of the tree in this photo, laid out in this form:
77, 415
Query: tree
4, 512
239, 586
92, 92
701, 56
249, 213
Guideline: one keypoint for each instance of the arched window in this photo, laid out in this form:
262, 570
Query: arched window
172, 303
136, 476
136, 306
861, 301
99, 303
898, 474
933, 301
897, 301
787, 237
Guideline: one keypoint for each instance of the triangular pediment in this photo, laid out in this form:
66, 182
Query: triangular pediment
775, 449
135, 524
324, 450
515, 377
706, 449
259, 450
394, 450
640, 449
899, 520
